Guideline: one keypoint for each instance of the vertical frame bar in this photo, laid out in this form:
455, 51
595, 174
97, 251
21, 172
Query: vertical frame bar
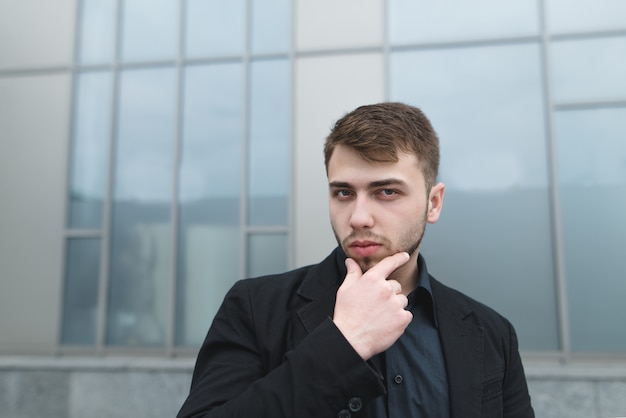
557, 234
103, 288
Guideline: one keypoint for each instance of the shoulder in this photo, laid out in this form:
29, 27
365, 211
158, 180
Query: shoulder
460, 304
308, 282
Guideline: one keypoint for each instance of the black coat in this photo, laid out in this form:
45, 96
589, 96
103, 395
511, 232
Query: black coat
273, 351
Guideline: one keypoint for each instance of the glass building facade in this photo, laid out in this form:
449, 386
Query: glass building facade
193, 127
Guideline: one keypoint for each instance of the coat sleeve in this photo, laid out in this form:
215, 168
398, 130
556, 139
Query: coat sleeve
516, 400
320, 377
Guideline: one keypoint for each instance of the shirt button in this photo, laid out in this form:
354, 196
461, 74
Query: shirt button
398, 379
355, 404
344, 413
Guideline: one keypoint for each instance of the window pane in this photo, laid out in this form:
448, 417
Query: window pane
269, 143
428, 21
92, 130
149, 29
591, 156
493, 240
97, 31
210, 196
215, 27
267, 254
271, 20
140, 243
592, 69
586, 15
80, 299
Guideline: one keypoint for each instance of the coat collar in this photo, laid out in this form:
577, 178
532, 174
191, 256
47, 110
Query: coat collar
319, 289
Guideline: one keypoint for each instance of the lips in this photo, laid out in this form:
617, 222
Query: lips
364, 248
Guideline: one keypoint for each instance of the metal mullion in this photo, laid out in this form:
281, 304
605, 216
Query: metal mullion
470, 43
68, 179
557, 233
82, 233
175, 214
291, 236
386, 52
573, 36
245, 157
268, 229
105, 250
589, 105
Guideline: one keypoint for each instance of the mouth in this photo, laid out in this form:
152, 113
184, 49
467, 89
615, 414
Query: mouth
364, 248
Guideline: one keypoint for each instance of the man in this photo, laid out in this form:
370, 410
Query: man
367, 332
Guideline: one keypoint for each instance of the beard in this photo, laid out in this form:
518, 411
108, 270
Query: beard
409, 242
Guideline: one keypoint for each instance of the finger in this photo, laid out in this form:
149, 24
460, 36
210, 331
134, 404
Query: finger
405, 301
395, 286
354, 271
388, 265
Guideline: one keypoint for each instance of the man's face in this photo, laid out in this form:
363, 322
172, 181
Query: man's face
379, 209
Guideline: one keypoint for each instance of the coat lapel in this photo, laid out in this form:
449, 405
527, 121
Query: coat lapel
463, 350
317, 296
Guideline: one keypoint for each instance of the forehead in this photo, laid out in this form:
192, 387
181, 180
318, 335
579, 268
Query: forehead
346, 165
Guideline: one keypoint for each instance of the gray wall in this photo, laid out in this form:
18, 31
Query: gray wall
116, 388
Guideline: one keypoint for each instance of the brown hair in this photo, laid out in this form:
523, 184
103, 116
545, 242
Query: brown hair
377, 132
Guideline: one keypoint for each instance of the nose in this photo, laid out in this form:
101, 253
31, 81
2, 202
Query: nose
361, 216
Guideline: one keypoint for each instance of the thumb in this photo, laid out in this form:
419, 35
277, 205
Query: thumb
354, 271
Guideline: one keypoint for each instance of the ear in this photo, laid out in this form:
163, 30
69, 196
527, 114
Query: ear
435, 203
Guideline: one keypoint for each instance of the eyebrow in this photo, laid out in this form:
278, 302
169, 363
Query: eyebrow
372, 185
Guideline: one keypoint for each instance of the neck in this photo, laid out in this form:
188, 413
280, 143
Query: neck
407, 275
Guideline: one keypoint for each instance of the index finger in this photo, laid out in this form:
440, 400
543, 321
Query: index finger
388, 265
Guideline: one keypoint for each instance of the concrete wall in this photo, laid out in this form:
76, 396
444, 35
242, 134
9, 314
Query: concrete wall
116, 388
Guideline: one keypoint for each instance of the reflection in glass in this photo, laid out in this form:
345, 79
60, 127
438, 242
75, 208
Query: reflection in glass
149, 29
80, 300
271, 20
267, 254
141, 232
585, 15
210, 195
493, 239
97, 31
591, 157
413, 21
92, 130
215, 27
269, 143
591, 69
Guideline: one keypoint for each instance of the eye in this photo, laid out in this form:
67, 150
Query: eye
387, 194
343, 193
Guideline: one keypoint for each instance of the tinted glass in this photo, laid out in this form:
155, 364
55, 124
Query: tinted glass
267, 254
149, 29
141, 233
427, 21
80, 298
92, 132
591, 69
210, 195
271, 22
591, 156
585, 15
215, 27
269, 143
493, 240
97, 31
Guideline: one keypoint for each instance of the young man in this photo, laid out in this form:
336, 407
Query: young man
367, 332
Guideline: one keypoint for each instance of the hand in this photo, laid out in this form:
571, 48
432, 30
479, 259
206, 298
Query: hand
369, 310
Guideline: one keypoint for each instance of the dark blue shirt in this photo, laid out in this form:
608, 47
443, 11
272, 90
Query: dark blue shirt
414, 368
